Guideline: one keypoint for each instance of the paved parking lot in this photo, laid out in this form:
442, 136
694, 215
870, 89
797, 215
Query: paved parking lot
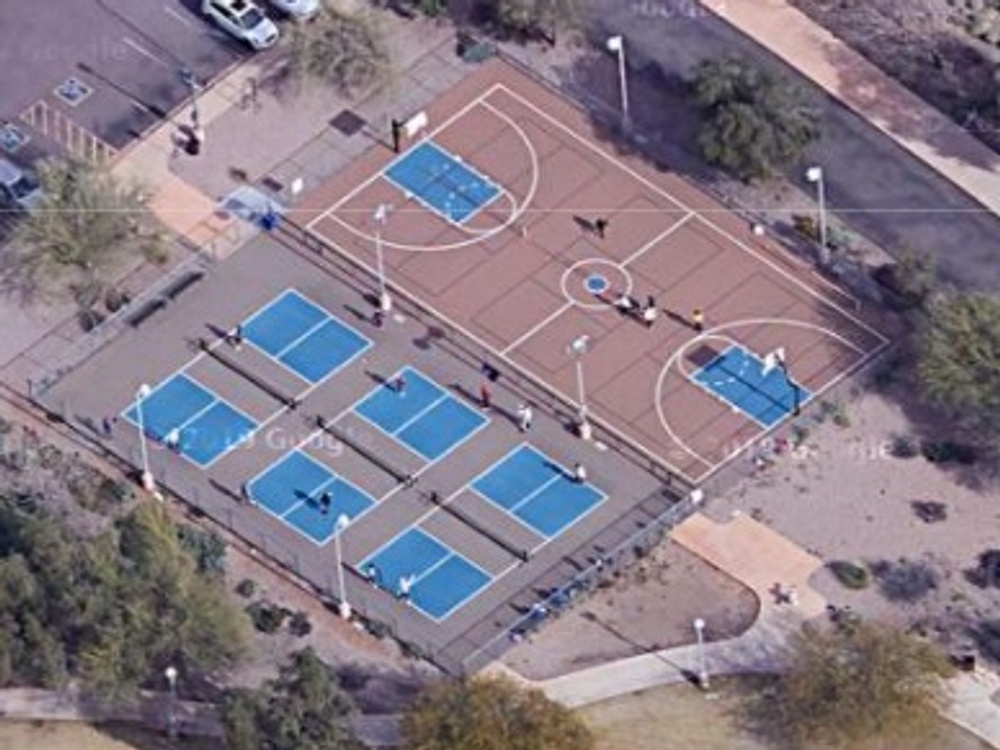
128, 53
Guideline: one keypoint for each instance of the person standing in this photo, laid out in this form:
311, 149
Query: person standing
325, 501
524, 417
579, 473
600, 227
698, 320
397, 131
485, 397
399, 384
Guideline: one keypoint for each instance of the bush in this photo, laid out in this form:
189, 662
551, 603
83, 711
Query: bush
267, 617
904, 446
930, 511
807, 226
947, 451
246, 588
299, 625
905, 581
206, 547
852, 575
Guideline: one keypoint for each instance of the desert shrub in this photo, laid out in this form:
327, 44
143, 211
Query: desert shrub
266, 616
299, 625
904, 446
246, 588
930, 511
852, 575
905, 581
948, 451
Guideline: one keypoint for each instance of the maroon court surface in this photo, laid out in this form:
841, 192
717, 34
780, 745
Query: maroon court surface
513, 276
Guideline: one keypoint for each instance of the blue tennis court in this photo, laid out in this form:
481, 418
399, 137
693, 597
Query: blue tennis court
737, 376
206, 426
440, 579
423, 416
443, 182
533, 488
303, 336
292, 489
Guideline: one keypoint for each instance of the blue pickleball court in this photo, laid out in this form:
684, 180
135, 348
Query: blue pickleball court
207, 426
303, 336
539, 492
292, 489
423, 416
443, 182
738, 377
442, 580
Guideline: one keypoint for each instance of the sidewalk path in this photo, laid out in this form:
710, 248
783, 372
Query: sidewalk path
758, 557
889, 106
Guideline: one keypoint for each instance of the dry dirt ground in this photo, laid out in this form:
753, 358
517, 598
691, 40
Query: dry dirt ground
648, 607
923, 44
844, 496
682, 718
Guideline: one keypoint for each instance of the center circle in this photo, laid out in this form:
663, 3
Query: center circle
596, 283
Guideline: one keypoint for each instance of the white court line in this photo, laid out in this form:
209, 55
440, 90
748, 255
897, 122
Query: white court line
657, 239
517, 210
147, 54
177, 16
716, 332
740, 244
537, 327
381, 172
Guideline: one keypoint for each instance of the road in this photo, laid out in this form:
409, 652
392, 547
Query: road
876, 187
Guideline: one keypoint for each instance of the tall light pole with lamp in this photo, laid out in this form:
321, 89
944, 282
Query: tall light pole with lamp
343, 521
815, 175
699, 630
171, 674
577, 349
381, 216
148, 483
616, 44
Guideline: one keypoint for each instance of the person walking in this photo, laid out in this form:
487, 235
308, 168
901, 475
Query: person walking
698, 320
108, 426
236, 338
600, 227
579, 473
524, 417
173, 439
485, 397
372, 574
649, 312
397, 131
399, 384
325, 501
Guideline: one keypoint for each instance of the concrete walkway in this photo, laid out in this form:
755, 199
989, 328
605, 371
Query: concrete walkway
758, 557
886, 104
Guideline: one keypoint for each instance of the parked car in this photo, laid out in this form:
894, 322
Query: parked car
244, 20
298, 10
18, 187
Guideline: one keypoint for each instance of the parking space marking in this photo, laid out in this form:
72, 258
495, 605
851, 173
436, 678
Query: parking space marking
147, 54
171, 12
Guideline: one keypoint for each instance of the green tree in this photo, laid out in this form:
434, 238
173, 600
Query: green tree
492, 714
857, 683
304, 709
86, 223
346, 51
111, 609
959, 364
532, 18
754, 124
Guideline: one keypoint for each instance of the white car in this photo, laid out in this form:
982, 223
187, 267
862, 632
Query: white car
18, 187
298, 10
244, 20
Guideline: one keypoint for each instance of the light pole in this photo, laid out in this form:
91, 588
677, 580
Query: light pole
146, 477
192, 83
616, 44
343, 520
577, 348
381, 217
699, 629
815, 175
171, 674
